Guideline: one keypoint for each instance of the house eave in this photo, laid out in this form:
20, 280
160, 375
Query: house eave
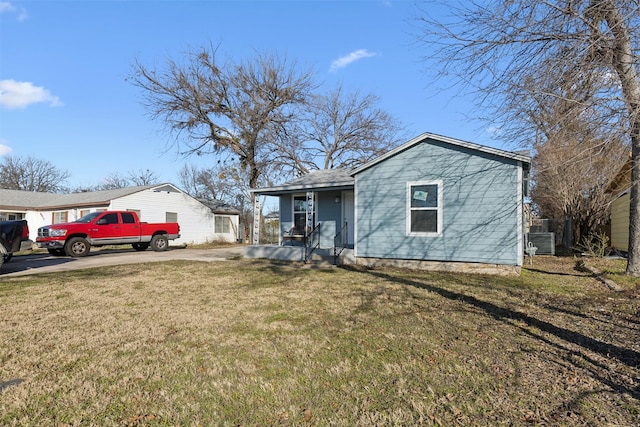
276, 191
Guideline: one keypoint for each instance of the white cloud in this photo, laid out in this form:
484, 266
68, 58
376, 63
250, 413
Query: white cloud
8, 7
16, 95
5, 6
4, 149
350, 58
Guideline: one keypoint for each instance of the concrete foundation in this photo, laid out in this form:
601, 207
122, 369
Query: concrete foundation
454, 267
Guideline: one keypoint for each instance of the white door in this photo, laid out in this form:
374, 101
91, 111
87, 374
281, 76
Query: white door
348, 209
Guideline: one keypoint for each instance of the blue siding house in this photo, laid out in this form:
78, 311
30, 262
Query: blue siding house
434, 202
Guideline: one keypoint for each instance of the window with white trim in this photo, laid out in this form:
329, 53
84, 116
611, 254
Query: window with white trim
222, 224
424, 208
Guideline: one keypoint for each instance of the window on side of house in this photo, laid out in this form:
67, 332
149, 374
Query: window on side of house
171, 216
10, 216
424, 208
59, 217
222, 224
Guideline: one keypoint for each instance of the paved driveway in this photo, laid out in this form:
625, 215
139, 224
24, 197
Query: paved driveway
45, 263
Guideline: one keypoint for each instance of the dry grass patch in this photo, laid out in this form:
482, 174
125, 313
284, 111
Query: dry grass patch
262, 343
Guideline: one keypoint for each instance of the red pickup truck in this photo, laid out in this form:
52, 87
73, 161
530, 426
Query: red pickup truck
106, 228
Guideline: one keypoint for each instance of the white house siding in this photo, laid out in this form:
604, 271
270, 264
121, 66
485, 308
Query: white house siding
196, 220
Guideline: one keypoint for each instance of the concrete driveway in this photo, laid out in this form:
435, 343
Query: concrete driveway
45, 263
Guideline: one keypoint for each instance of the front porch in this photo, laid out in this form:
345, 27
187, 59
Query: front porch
300, 254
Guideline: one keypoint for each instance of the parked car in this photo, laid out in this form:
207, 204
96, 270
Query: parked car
14, 237
106, 228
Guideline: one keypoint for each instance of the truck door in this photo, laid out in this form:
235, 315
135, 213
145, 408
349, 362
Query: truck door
130, 229
107, 229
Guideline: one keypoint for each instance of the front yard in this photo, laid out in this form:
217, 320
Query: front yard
254, 342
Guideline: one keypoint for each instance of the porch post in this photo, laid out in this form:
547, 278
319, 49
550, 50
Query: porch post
256, 221
309, 214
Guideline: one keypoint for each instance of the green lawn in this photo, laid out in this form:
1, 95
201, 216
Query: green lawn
255, 342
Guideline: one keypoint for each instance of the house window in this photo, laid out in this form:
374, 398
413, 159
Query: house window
10, 216
424, 208
300, 204
171, 216
59, 217
84, 212
222, 225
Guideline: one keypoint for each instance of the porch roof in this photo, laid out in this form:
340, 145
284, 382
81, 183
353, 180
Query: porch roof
320, 180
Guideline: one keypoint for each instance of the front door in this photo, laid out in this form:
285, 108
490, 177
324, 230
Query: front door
348, 213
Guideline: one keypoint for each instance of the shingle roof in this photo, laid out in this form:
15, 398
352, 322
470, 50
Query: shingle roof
333, 179
16, 199
219, 207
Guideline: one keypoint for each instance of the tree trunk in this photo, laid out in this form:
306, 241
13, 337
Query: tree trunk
633, 262
624, 62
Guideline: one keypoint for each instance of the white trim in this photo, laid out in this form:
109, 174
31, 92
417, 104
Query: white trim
519, 215
355, 217
438, 209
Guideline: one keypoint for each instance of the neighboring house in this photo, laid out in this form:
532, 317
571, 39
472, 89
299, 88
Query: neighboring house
433, 202
199, 222
621, 188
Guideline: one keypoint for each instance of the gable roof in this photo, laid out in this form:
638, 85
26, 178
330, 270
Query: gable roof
17, 199
327, 179
521, 157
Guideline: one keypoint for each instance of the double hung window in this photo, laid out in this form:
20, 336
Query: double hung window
424, 208
222, 224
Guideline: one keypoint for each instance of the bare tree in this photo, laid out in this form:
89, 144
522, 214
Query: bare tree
143, 177
347, 130
226, 107
116, 180
113, 181
223, 182
576, 189
31, 174
494, 46
575, 158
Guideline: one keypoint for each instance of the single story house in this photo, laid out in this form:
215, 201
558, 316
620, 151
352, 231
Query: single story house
199, 222
434, 202
620, 187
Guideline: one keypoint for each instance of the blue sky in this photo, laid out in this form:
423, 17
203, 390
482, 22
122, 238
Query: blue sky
63, 64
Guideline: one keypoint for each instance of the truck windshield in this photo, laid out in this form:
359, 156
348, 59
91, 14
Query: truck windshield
89, 217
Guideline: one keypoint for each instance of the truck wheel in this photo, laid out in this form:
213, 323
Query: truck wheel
77, 247
159, 243
140, 246
56, 252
